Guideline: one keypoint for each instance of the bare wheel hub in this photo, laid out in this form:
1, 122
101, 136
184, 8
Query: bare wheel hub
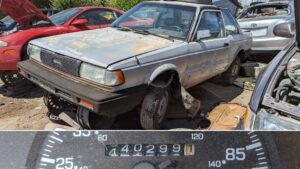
56, 106
12, 78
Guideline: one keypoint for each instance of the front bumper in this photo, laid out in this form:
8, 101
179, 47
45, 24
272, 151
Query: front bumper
9, 61
269, 44
106, 103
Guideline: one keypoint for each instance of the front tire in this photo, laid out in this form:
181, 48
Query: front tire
154, 108
232, 73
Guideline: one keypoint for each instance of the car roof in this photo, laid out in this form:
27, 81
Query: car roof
99, 7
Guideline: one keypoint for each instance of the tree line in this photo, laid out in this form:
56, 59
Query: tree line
65, 4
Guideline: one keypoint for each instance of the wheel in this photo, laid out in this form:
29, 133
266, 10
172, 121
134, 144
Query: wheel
56, 106
232, 73
12, 78
154, 108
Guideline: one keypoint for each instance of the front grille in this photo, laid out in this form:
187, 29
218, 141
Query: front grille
61, 62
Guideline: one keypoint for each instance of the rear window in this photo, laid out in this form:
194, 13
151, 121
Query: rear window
266, 10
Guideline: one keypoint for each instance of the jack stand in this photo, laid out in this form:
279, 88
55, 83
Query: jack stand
191, 104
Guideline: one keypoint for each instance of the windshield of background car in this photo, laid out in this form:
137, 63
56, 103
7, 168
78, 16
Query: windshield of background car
7, 21
266, 10
62, 17
173, 21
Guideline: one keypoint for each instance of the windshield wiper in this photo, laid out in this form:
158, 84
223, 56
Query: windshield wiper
145, 32
127, 29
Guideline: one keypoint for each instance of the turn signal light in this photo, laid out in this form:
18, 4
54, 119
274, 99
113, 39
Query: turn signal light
120, 77
86, 104
9, 52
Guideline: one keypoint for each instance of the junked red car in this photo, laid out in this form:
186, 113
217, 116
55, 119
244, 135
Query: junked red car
33, 24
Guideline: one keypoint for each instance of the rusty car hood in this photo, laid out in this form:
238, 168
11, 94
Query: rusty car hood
103, 47
23, 12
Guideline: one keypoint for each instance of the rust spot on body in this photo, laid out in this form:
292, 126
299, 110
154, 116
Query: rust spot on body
143, 47
79, 44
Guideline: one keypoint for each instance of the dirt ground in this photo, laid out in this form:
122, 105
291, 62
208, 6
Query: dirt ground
29, 112
22, 113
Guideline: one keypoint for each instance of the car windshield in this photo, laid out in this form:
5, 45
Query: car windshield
165, 20
7, 21
63, 16
266, 10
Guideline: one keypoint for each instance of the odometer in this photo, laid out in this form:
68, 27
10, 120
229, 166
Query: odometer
157, 150
149, 150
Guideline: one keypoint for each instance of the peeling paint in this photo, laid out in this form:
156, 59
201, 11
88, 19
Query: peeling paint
103, 47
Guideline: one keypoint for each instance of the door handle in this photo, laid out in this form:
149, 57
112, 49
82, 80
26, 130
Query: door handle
226, 44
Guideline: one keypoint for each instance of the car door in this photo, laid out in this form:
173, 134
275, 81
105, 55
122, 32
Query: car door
97, 18
207, 55
233, 34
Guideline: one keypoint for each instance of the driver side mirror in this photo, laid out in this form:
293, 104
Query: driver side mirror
286, 30
203, 34
80, 22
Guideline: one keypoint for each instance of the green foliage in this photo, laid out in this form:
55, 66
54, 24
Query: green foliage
41, 3
65, 4
124, 4
120, 4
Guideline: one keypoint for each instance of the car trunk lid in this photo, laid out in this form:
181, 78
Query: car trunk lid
23, 12
260, 27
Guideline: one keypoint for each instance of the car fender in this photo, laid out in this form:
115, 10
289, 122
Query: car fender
239, 50
235, 55
161, 69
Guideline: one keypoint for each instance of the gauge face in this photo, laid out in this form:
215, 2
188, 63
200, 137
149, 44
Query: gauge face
147, 150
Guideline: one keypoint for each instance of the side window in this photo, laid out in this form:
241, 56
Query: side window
213, 22
108, 16
230, 24
98, 17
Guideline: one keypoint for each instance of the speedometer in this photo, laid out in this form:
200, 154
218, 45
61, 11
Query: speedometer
153, 150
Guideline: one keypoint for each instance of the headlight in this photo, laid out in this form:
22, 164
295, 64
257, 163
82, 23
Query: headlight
3, 43
267, 121
102, 76
34, 52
